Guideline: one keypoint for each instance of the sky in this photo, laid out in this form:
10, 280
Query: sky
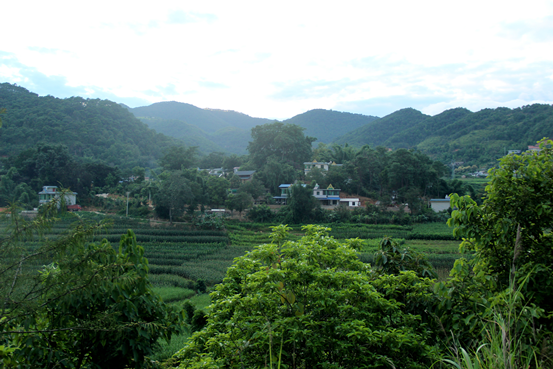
282, 58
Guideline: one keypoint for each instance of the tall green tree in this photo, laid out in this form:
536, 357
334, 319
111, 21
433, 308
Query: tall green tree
274, 173
175, 192
511, 231
240, 201
90, 306
301, 203
312, 304
218, 189
179, 157
286, 142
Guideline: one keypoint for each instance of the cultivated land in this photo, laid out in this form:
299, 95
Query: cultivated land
179, 256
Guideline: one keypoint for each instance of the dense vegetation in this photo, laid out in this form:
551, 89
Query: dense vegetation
92, 130
357, 289
458, 134
326, 125
311, 303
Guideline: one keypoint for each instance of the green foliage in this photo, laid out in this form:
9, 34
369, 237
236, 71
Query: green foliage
284, 141
217, 188
390, 259
253, 187
240, 201
200, 286
511, 231
301, 204
458, 134
316, 299
2, 111
377, 131
260, 214
276, 172
505, 288
91, 306
91, 129
322, 124
178, 158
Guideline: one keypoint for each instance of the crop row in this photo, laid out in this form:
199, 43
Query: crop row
184, 239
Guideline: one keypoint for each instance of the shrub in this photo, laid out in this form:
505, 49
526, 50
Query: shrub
320, 303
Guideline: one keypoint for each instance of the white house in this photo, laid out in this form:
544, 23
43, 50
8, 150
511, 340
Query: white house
439, 204
329, 196
308, 165
350, 201
51, 192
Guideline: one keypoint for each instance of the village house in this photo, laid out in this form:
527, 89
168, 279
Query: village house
439, 204
49, 193
245, 175
329, 197
308, 165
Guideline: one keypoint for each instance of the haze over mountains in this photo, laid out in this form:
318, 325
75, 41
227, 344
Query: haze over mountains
226, 130
103, 130
454, 135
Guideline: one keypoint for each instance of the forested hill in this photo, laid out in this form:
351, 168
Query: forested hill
91, 129
229, 131
209, 120
327, 125
459, 134
378, 131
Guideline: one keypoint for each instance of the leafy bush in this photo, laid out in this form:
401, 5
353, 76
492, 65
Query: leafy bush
317, 301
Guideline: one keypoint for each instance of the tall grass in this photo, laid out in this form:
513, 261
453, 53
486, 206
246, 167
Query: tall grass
510, 338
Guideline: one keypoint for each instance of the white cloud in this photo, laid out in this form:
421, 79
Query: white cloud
281, 59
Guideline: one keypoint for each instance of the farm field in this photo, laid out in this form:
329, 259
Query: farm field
180, 256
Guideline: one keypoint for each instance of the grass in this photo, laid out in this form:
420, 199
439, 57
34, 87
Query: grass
172, 294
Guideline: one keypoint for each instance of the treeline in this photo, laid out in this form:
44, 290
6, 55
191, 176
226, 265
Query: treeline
91, 129
458, 134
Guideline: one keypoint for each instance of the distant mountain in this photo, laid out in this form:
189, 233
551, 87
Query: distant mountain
208, 120
378, 131
187, 133
230, 131
239, 120
327, 125
92, 129
458, 134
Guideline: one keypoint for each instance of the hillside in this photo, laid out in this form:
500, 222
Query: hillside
229, 131
92, 129
458, 134
187, 133
378, 131
327, 125
208, 120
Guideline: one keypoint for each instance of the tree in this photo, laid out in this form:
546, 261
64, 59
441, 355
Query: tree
301, 203
139, 174
213, 160
217, 188
511, 231
274, 173
179, 157
174, 194
254, 187
2, 111
286, 142
91, 306
240, 201
317, 304
261, 214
